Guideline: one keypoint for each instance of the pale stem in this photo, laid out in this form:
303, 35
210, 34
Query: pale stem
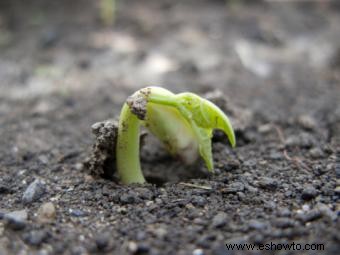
128, 164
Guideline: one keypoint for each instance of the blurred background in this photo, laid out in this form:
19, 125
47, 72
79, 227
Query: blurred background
71, 46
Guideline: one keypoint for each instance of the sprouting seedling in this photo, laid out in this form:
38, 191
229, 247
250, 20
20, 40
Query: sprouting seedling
183, 122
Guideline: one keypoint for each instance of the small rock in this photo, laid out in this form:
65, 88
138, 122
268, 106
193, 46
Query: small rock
78, 213
102, 241
43, 159
268, 183
284, 212
160, 232
275, 155
205, 240
78, 250
132, 246
199, 221
34, 191
234, 187
316, 153
16, 220
197, 252
128, 198
144, 193
288, 193
292, 141
219, 220
303, 140
251, 189
198, 201
46, 213
141, 235
79, 166
337, 170
36, 237
241, 196
265, 129
258, 225
319, 169
306, 207
232, 165
269, 204
308, 193
96, 127
337, 190
307, 122
138, 248
249, 163
310, 216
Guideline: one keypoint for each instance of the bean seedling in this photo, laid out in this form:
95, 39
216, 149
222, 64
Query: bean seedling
183, 122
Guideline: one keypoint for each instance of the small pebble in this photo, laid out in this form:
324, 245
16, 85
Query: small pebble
307, 122
285, 212
268, 183
305, 207
138, 248
197, 252
16, 220
160, 232
144, 193
132, 246
275, 155
234, 187
198, 201
316, 153
337, 190
102, 241
308, 193
128, 198
258, 225
219, 220
34, 191
337, 170
36, 237
96, 127
310, 216
265, 129
46, 213
78, 213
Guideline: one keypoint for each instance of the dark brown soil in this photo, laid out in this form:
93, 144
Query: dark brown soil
61, 70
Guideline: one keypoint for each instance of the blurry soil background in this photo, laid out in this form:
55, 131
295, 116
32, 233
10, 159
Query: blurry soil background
275, 66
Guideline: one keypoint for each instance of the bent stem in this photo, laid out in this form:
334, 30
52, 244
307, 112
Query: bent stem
129, 169
183, 122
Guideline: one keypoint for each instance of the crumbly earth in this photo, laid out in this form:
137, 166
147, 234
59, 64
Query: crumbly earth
101, 161
61, 71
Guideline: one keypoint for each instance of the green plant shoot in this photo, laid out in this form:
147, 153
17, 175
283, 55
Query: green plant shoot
183, 122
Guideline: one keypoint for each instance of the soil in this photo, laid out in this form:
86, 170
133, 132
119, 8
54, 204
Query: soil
276, 64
